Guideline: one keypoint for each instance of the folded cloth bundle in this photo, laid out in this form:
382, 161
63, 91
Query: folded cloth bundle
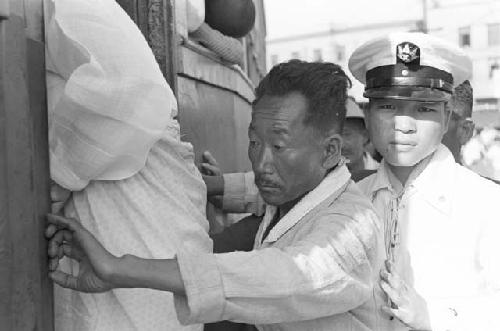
229, 49
108, 100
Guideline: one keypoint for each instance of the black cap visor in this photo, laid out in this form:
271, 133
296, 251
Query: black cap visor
414, 93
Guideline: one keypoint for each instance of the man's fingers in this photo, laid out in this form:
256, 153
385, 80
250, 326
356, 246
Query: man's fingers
389, 266
210, 170
384, 275
57, 240
50, 230
392, 312
53, 264
392, 279
391, 292
64, 249
63, 222
63, 279
208, 158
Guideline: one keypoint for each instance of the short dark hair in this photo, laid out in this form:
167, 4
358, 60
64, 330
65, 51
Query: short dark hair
323, 84
463, 95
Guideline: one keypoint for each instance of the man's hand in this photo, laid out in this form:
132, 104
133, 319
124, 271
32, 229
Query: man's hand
67, 237
209, 165
408, 306
212, 176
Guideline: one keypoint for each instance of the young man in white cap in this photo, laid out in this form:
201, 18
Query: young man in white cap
441, 220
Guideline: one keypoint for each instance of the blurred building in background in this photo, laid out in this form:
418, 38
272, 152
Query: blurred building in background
334, 45
474, 25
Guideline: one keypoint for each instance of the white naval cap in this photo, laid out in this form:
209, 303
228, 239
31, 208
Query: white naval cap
409, 65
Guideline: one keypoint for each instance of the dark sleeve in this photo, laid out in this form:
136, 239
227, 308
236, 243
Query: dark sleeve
238, 237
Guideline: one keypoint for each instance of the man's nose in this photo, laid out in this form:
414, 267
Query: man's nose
264, 162
405, 123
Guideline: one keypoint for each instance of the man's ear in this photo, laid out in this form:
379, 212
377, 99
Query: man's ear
465, 131
332, 146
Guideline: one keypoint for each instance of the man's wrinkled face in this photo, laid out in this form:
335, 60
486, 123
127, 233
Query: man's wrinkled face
286, 155
404, 131
354, 137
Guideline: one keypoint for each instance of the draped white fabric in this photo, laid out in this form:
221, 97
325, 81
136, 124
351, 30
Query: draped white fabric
115, 143
108, 100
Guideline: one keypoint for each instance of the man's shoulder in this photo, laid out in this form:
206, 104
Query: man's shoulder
472, 183
353, 203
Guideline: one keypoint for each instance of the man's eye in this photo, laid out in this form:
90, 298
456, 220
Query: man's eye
385, 107
425, 110
253, 143
278, 148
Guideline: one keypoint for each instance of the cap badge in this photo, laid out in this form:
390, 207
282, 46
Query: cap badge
408, 53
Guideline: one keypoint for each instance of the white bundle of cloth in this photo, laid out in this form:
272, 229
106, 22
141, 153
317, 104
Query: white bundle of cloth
115, 143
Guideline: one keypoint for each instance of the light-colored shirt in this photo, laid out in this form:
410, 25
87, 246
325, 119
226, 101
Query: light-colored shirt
316, 270
442, 233
241, 195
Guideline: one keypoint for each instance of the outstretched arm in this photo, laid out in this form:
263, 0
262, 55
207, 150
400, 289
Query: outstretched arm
100, 270
330, 269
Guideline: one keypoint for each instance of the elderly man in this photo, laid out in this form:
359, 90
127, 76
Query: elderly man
440, 219
317, 252
237, 193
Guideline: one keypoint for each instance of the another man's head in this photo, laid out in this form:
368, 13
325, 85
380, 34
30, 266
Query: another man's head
295, 131
354, 136
408, 79
461, 127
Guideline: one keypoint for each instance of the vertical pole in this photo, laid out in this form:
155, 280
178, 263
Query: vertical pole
162, 37
424, 17
157, 22
25, 290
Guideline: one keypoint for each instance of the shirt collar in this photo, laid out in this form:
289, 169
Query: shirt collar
433, 178
329, 186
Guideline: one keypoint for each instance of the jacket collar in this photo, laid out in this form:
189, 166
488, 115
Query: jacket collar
328, 189
434, 182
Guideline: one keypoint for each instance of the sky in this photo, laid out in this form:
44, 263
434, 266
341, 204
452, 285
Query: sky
292, 17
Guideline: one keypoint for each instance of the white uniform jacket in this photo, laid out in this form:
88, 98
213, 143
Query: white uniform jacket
444, 225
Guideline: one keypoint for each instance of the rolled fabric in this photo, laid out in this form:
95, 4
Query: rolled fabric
108, 100
195, 14
229, 49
